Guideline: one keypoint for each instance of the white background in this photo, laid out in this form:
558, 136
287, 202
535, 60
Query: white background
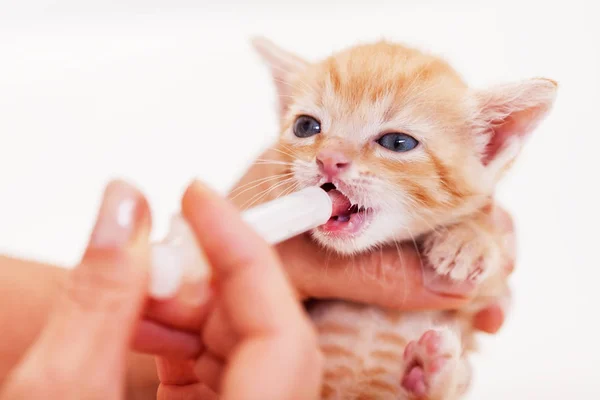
161, 92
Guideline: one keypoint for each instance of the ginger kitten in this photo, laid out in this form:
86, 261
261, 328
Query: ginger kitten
408, 152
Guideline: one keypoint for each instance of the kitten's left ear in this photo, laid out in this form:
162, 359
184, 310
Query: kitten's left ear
507, 114
284, 66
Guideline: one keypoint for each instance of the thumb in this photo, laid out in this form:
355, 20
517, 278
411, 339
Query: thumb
82, 350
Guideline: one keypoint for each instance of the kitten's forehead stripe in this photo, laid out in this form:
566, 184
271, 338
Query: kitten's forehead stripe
372, 73
334, 75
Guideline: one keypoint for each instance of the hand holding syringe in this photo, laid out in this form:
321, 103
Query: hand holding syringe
85, 322
177, 257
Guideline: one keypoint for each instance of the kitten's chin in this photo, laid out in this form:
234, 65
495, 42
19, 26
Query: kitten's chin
344, 244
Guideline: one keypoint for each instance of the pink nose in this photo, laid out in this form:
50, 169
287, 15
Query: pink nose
332, 162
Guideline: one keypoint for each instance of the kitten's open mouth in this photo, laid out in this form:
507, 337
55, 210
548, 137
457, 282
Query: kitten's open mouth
346, 218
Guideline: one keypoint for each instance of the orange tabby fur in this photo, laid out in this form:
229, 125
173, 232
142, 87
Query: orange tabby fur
438, 195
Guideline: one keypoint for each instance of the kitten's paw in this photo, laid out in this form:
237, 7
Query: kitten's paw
431, 365
461, 253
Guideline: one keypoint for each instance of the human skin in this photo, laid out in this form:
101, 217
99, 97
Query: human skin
82, 350
170, 327
305, 266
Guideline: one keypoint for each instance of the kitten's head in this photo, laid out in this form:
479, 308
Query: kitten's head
398, 136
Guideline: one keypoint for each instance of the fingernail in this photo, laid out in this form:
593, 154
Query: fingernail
115, 225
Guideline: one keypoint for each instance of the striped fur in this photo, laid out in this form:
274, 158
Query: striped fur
439, 195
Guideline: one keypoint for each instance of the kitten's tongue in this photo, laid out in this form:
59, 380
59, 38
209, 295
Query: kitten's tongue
341, 204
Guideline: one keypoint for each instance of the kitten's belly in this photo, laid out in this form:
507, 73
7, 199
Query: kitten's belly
363, 348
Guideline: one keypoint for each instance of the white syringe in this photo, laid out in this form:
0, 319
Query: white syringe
178, 255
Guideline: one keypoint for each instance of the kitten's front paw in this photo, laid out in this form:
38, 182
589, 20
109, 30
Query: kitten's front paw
461, 253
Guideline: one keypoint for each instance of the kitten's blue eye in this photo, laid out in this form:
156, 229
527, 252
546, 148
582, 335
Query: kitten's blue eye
306, 126
398, 142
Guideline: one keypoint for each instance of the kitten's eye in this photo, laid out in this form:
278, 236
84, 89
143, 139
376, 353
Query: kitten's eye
306, 126
399, 142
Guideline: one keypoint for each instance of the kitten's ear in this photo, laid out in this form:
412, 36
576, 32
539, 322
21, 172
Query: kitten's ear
507, 114
284, 67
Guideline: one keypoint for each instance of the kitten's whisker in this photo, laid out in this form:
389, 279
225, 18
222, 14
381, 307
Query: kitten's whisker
284, 153
266, 191
281, 177
328, 253
414, 214
273, 160
258, 180
405, 284
291, 150
256, 198
289, 190
266, 162
381, 259
257, 183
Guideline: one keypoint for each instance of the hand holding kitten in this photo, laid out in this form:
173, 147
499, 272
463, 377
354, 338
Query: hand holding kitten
376, 277
314, 274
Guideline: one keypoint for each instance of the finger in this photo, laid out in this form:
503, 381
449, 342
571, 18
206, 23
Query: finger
391, 277
252, 288
178, 313
489, 320
102, 300
181, 379
209, 369
176, 372
171, 328
206, 368
277, 344
218, 335
217, 339
274, 369
161, 340
197, 391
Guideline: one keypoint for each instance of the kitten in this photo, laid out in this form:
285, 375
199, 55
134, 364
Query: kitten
408, 152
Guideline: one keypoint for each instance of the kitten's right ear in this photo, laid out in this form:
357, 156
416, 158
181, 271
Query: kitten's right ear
284, 67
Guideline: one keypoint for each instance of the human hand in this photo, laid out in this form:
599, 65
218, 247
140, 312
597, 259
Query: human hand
83, 349
81, 352
257, 341
391, 277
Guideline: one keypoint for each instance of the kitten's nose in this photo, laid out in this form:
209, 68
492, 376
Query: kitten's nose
332, 162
